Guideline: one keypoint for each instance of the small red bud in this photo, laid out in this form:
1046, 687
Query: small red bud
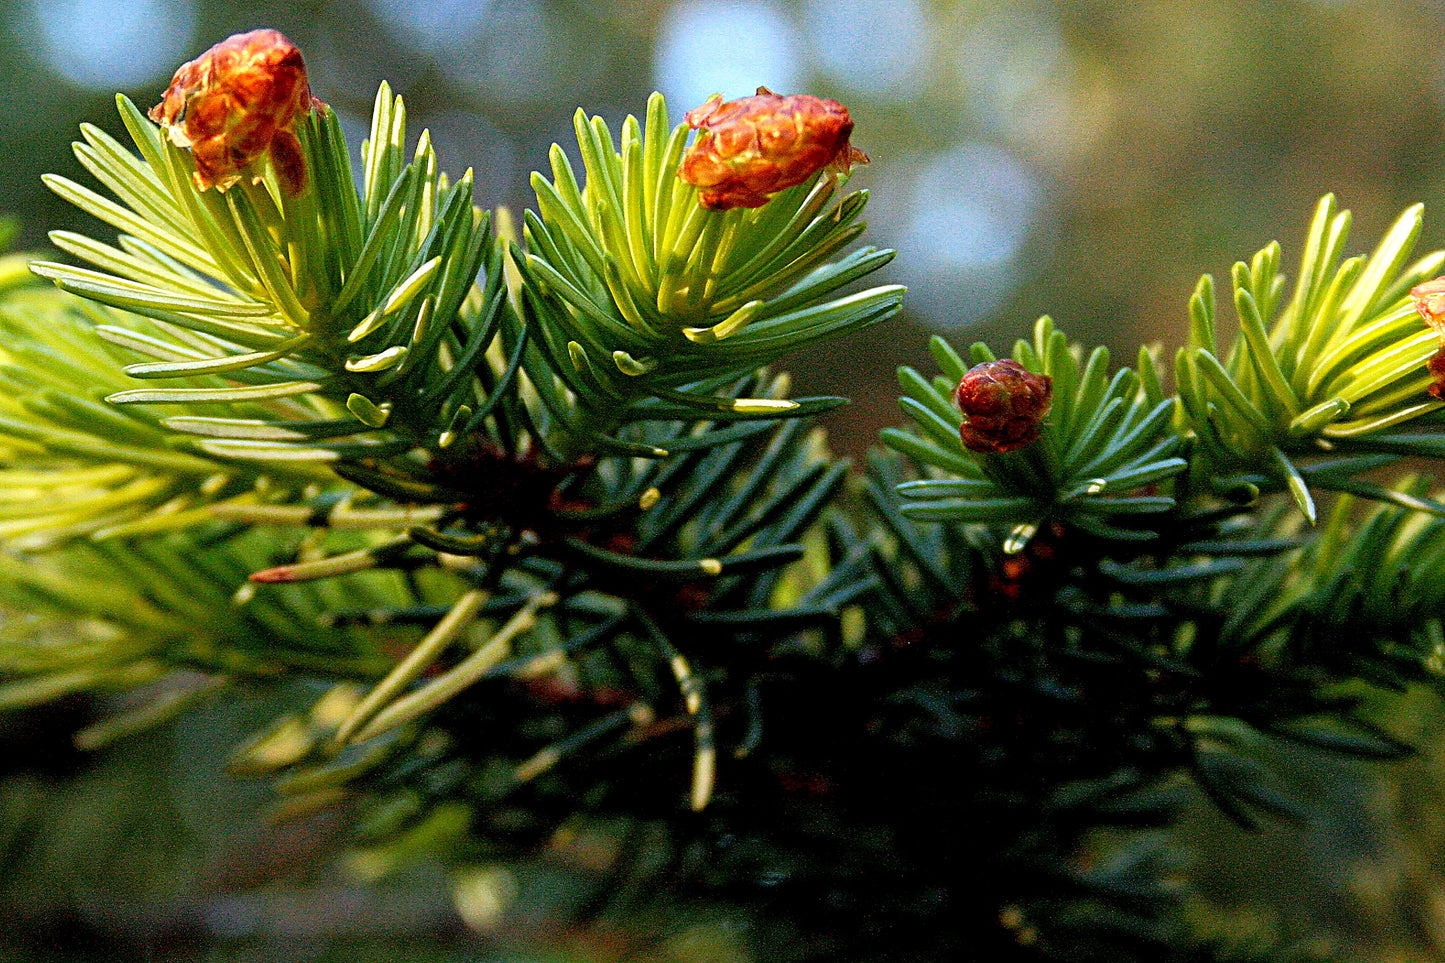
236, 102
1429, 298
749, 149
1436, 367
1004, 406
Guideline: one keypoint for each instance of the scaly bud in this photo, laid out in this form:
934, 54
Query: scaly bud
1004, 406
1429, 298
236, 102
751, 148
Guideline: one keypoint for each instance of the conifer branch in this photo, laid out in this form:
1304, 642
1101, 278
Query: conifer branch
538, 508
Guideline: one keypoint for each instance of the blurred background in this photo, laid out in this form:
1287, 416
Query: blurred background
1086, 159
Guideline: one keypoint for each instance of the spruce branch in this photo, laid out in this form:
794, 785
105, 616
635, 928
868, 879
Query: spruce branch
645, 302
72, 466
1360, 599
368, 305
538, 508
648, 571
108, 616
1106, 438
1328, 371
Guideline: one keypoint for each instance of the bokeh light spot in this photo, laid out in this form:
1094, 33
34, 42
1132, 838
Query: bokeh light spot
876, 48
482, 895
431, 25
973, 208
727, 48
114, 44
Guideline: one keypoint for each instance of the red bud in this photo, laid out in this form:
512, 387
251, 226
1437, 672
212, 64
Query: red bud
236, 102
751, 148
1004, 406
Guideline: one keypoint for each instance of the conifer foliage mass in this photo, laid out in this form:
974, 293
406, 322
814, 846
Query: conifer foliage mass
523, 505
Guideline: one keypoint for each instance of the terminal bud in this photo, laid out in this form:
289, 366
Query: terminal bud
1004, 406
237, 102
749, 149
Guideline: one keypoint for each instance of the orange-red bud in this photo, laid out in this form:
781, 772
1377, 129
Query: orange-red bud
236, 102
749, 149
1004, 406
1429, 298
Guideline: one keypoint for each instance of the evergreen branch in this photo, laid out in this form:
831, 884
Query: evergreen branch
1104, 441
593, 525
640, 293
182, 611
78, 468
1344, 360
1360, 593
369, 301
